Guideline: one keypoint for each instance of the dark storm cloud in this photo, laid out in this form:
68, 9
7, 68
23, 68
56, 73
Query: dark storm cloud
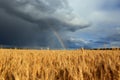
16, 32
46, 12
110, 41
28, 23
114, 37
102, 42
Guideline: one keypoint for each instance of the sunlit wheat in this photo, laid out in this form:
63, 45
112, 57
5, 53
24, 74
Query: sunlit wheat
82, 64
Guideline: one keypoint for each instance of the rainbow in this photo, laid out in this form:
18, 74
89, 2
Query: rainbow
58, 38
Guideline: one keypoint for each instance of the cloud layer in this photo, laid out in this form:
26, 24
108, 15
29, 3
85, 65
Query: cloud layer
105, 19
51, 23
32, 23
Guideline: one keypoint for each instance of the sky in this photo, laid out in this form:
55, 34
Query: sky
59, 24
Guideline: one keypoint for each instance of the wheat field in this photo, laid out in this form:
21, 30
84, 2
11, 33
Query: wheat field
82, 64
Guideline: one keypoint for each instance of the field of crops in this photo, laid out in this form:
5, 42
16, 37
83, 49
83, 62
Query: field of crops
59, 64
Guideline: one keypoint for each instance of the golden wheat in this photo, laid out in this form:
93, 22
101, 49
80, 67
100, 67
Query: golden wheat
59, 64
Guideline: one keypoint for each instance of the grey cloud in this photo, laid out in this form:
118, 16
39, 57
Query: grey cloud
110, 40
114, 37
19, 33
29, 23
102, 42
40, 10
111, 5
77, 43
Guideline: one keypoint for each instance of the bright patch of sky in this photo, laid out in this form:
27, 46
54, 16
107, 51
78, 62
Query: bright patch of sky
104, 18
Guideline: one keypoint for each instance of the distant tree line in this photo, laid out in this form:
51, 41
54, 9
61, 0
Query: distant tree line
105, 49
